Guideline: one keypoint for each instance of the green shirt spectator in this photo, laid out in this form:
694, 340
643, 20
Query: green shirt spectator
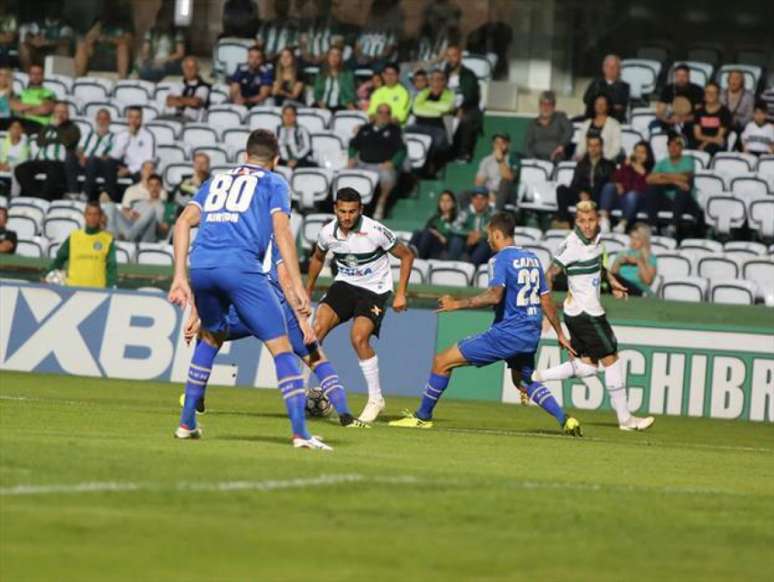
470, 237
683, 165
430, 106
36, 102
393, 94
334, 87
636, 267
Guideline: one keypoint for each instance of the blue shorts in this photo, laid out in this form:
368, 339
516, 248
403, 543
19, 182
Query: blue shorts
250, 294
238, 330
516, 349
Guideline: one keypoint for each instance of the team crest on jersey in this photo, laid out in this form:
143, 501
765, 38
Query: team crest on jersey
351, 261
97, 246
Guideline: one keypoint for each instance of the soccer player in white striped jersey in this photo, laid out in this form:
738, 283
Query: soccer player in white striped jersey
363, 284
580, 257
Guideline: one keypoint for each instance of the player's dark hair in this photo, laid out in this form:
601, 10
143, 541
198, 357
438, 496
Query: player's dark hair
348, 195
504, 222
262, 145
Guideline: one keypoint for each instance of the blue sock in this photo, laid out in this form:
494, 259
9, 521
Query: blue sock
542, 396
291, 384
198, 376
331, 387
433, 390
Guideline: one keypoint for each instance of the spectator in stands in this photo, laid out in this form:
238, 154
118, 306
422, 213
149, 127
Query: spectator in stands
768, 98
334, 88
192, 97
603, 125
495, 172
36, 102
288, 85
432, 108
378, 146
95, 153
49, 35
677, 102
366, 89
610, 85
628, 189
433, 240
671, 187
56, 158
550, 133
89, 253
251, 83
163, 47
6, 92
464, 83
108, 43
470, 238
142, 209
712, 122
419, 82
14, 150
8, 238
294, 141
191, 183
393, 94
636, 267
131, 148
591, 174
377, 41
758, 135
9, 37
739, 100
240, 19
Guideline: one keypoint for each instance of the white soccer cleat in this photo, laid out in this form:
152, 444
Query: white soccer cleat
637, 423
313, 442
184, 433
372, 410
536, 376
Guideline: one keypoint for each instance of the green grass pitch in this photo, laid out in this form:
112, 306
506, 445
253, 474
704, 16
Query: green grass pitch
492, 493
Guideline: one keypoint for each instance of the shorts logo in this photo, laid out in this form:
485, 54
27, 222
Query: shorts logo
97, 246
376, 310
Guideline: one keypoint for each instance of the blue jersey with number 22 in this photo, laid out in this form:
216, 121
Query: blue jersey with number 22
520, 272
236, 222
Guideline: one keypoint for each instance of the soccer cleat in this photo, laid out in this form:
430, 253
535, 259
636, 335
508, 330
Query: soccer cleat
313, 442
184, 433
349, 421
523, 397
572, 426
637, 423
372, 410
411, 420
200, 409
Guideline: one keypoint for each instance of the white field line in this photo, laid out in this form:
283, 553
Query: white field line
268, 486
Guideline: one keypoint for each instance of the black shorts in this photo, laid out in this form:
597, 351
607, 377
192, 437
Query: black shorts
349, 301
591, 336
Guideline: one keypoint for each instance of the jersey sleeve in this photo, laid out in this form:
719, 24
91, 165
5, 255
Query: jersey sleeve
322, 240
386, 238
565, 255
201, 195
280, 195
497, 272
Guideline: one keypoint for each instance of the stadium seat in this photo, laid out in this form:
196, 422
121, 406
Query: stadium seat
219, 155
451, 273
235, 138
223, 117
733, 291
173, 174
84, 126
699, 72
717, 267
640, 120
480, 65
702, 159
542, 252
264, 118
90, 108
130, 94
708, 183
553, 237
702, 243
658, 143
564, 172
673, 266
761, 272
641, 74
53, 248
723, 213
34, 247
197, 135
219, 95
529, 231
30, 214
418, 146
749, 248
313, 120
752, 75
284, 171
87, 90
311, 228
346, 123
58, 229
765, 169
630, 137
58, 87
170, 154
125, 251
749, 188
65, 212
481, 278
732, 164
663, 242
761, 217
693, 289
163, 133
229, 53
310, 185
155, 254
328, 151
415, 278
364, 181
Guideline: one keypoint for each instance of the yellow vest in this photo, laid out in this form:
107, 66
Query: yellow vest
87, 261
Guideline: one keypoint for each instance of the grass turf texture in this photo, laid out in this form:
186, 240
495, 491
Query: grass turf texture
492, 493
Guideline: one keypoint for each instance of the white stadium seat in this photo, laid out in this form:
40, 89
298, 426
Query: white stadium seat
131, 94
33, 214
451, 273
531, 232
693, 289
564, 172
224, 117
163, 133
328, 150
752, 75
35, 247
724, 213
630, 137
229, 53
171, 154
748, 248
58, 87
731, 164
125, 251
311, 227
641, 119
702, 159
364, 181
765, 169
87, 90
761, 272
481, 278
310, 185
235, 138
761, 217
717, 267
673, 266
155, 254
90, 108
346, 123
663, 242
658, 143
219, 155
418, 146
313, 120
641, 74
174, 172
699, 72
542, 252
415, 278
480, 65
749, 188
733, 291
58, 229
708, 183
264, 118
199, 135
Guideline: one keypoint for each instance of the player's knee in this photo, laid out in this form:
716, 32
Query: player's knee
214, 339
359, 340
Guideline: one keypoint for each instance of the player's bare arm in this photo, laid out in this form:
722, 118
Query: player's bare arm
619, 291
488, 298
401, 251
180, 291
316, 264
549, 310
551, 274
301, 316
287, 248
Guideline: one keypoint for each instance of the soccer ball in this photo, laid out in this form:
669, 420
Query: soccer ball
317, 403
56, 278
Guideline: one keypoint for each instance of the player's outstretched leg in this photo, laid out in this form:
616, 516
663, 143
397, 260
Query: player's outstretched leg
334, 391
362, 329
198, 376
574, 368
542, 396
614, 382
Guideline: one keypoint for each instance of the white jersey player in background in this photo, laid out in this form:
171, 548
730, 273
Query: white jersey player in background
363, 284
592, 338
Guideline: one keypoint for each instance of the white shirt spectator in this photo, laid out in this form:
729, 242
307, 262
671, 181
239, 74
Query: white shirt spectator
193, 88
295, 143
611, 139
758, 139
133, 150
137, 193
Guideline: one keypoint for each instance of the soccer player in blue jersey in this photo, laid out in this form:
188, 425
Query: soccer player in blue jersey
300, 333
518, 292
238, 213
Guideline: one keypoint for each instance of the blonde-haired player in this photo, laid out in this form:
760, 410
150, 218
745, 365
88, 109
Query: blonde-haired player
581, 257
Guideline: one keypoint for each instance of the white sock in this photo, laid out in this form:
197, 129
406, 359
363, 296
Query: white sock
614, 381
370, 368
569, 369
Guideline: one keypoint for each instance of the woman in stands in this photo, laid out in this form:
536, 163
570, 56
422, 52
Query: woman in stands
334, 88
367, 89
288, 86
712, 122
635, 267
433, 240
628, 189
603, 125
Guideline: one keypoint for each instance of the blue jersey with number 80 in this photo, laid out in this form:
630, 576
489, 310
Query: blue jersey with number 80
236, 222
520, 272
